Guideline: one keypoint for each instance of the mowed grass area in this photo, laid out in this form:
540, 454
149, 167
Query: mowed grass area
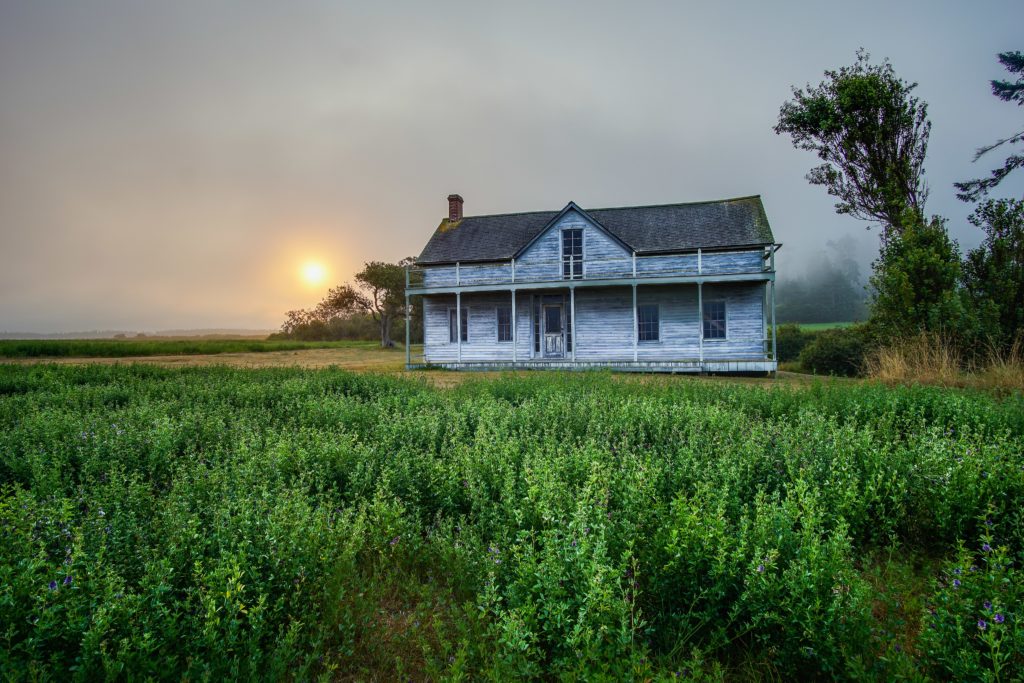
219, 523
818, 327
122, 348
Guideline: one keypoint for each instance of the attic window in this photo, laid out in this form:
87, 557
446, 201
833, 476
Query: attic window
572, 254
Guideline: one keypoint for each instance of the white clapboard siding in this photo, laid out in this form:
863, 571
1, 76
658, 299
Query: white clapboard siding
604, 324
603, 256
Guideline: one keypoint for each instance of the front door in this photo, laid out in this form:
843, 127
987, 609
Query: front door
553, 337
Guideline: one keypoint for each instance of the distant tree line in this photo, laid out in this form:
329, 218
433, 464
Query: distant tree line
872, 134
371, 307
831, 289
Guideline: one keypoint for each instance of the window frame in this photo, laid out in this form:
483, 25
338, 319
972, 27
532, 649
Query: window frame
640, 323
452, 323
725, 321
582, 255
497, 320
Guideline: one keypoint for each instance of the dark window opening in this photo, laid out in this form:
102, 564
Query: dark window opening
504, 323
453, 323
648, 323
714, 320
572, 254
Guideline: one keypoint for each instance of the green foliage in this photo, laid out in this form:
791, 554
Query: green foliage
872, 134
1007, 91
790, 340
117, 348
837, 351
993, 274
916, 284
287, 524
973, 629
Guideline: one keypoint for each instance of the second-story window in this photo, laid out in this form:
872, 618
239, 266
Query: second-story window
572, 254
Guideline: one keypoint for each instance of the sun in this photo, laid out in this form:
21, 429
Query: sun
313, 273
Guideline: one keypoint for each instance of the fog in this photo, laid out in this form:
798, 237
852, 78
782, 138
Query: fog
172, 165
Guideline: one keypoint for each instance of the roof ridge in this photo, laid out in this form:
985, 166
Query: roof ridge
617, 208
658, 206
513, 213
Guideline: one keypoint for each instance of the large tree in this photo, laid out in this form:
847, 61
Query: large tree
379, 291
1007, 91
872, 135
994, 272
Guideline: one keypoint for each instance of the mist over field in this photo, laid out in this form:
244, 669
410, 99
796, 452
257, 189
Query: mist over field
173, 165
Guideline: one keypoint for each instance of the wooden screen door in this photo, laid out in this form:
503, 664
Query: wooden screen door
554, 341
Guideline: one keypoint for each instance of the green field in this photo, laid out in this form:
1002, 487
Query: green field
122, 348
215, 523
817, 327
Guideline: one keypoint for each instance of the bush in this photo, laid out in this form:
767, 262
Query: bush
836, 352
790, 341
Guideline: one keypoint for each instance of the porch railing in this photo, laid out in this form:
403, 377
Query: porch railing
571, 268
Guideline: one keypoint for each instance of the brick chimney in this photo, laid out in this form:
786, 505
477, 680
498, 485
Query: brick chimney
454, 208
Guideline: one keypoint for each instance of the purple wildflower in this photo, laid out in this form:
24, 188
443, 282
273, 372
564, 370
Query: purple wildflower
67, 580
982, 624
958, 571
956, 583
998, 618
101, 513
394, 541
987, 548
760, 569
988, 522
53, 585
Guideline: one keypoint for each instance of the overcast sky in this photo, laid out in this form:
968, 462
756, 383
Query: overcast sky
172, 164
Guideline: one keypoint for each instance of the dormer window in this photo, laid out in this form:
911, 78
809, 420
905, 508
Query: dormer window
572, 254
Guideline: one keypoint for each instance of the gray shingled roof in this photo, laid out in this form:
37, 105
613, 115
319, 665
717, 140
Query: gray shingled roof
646, 229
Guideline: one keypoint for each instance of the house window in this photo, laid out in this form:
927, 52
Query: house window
572, 254
453, 323
504, 323
648, 323
714, 320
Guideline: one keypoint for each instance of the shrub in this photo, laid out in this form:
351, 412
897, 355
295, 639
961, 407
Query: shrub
836, 352
790, 341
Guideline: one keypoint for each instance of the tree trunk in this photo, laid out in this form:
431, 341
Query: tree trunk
385, 332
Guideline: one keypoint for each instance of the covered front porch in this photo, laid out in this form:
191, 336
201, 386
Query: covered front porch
648, 328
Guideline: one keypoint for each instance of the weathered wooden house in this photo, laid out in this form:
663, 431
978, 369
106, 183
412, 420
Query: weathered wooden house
673, 288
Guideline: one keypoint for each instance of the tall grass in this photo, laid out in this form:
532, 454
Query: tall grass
934, 359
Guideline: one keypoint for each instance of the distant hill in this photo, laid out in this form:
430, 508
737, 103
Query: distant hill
204, 333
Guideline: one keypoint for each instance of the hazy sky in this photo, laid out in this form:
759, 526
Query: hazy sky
173, 164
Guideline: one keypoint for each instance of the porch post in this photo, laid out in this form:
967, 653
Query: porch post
700, 321
408, 314
775, 356
513, 318
764, 319
636, 329
572, 318
458, 322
